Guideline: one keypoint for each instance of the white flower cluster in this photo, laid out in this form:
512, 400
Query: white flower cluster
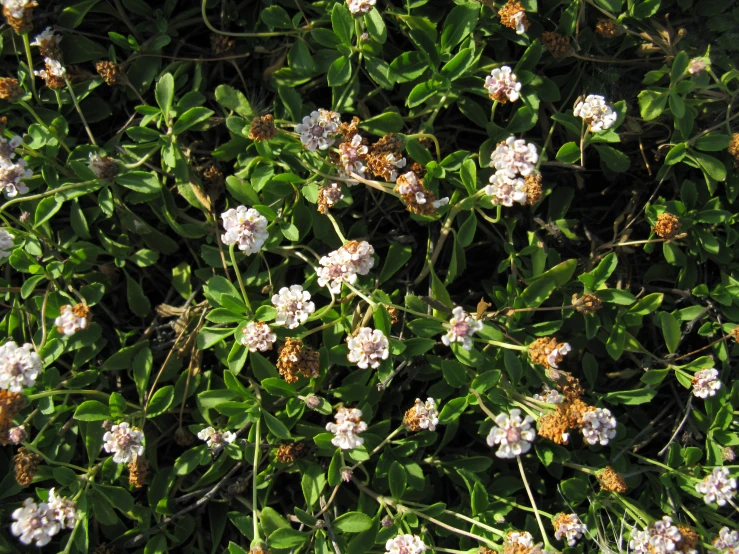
550, 396
293, 306
461, 327
599, 426
569, 528
245, 227
332, 194
513, 434
347, 428
408, 184
351, 154
15, 8
513, 160
6, 243
72, 319
405, 544
38, 523
367, 348
727, 541
12, 170
706, 383
318, 130
258, 337
54, 68
718, 486
360, 7
594, 110
65, 510
20, 366
343, 265
125, 442
502, 85
427, 415
216, 439
561, 350
47, 40
520, 538
661, 537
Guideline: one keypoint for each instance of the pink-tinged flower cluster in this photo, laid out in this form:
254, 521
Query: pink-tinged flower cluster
512, 433
293, 306
502, 85
347, 427
706, 383
368, 348
245, 227
718, 486
461, 328
125, 442
258, 336
599, 426
594, 110
12, 170
20, 366
405, 544
343, 265
318, 130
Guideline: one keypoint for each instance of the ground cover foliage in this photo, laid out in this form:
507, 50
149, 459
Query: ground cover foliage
405, 276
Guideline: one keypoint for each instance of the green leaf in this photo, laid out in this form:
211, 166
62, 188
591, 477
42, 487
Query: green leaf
92, 410
676, 154
398, 255
342, 22
190, 118
165, 94
46, 210
276, 17
596, 278
679, 66
234, 100
459, 23
140, 181
615, 160
452, 410
454, 373
352, 522
468, 173
137, 300
616, 341
313, 482
287, 537
340, 72
376, 26
72, 16
397, 480
160, 401
569, 153
382, 124
652, 103
277, 428
713, 167
713, 142
670, 330
278, 387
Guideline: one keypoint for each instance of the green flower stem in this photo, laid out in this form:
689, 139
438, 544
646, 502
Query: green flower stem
492, 111
533, 502
582, 468
43, 194
29, 57
493, 220
432, 137
464, 517
484, 408
336, 227
141, 160
49, 461
238, 278
583, 142
319, 328
380, 446
445, 230
506, 345
519, 506
362, 295
430, 121
546, 144
255, 477
637, 513
79, 110
666, 467
57, 392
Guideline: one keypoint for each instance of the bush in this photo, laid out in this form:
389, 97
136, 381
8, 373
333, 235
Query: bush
369, 276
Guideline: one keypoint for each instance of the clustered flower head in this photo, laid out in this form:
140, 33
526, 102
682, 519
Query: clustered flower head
343, 265
513, 16
20, 366
347, 428
288, 453
519, 542
11, 403
352, 156
706, 383
104, 167
54, 73
72, 319
360, 7
34, 523
12, 171
662, 537
216, 439
599, 426
367, 348
460, 328
568, 527
385, 158
548, 352
594, 110
48, 43
697, 66
608, 28
727, 541
19, 14
502, 85
125, 442
328, 197
612, 481
405, 544
25, 465
257, 336
423, 415
417, 198
293, 306
10, 89
718, 486
245, 227
65, 510
557, 44
6, 243
262, 128
111, 72
512, 433
318, 130
587, 303
550, 396
667, 227
297, 359
515, 178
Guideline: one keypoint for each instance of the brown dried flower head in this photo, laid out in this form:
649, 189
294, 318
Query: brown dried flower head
415, 189
485, 550
587, 303
548, 352
513, 16
328, 197
393, 313
734, 147
111, 73
22, 23
727, 453
558, 45
288, 453
262, 128
348, 130
533, 187
385, 164
607, 28
689, 541
389, 144
297, 359
138, 469
667, 227
222, 45
575, 410
11, 403
555, 425
10, 89
26, 464
569, 386
259, 549
214, 176
612, 481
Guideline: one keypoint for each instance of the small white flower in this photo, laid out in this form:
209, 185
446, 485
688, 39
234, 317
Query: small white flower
505, 190
520, 538
352, 153
550, 396
258, 337
65, 510
125, 442
557, 353
72, 319
332, 194
569, 527
706, 383
34, 523
6, 243
15, 9
54, 68
360, 7
520, 20
426, 415
12, 174
47, 40
347, 428
727, 541
440, 202
599, 426
293, 306
360, 253
513, 434
405, 544
367, 348
502, 84
318, 130
594, 110
216, 439
461, 327
515, 156
343, 265
245, 227
718, 486
20, 366
661, 537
